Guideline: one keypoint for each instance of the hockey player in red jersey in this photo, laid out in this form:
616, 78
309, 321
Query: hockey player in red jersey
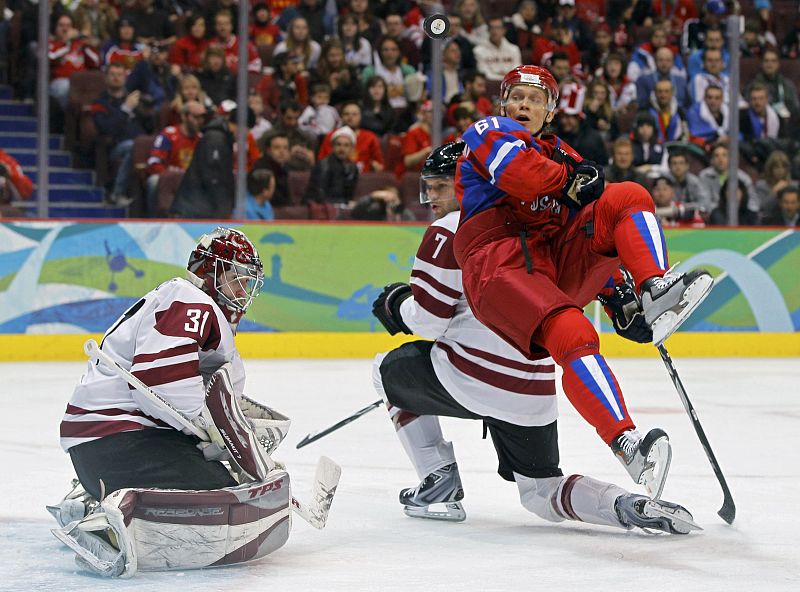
469, 372
539, 237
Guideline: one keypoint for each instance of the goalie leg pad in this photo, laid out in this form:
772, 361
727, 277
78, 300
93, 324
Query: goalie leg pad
164, 529
228, 427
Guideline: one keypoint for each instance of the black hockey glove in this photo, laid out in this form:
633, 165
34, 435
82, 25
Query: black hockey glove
585, 183
627, 317
386, 308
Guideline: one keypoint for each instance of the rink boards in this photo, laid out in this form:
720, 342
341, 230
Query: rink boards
62, 282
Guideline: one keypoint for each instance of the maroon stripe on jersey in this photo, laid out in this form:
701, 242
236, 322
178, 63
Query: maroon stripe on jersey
566, 496
501, 361
513, 384
403, 418
436, 248
428, 278
432, 304
73, 410
166, 374
195, 320
180, 350
97, 429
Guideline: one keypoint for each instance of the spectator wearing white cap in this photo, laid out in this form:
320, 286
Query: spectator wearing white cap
333, 179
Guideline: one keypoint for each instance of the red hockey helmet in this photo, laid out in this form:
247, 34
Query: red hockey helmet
226, 266
533, 76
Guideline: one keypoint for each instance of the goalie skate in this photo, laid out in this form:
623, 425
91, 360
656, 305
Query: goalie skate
441, 489
668, 301
75, 506
646, 459
654, 515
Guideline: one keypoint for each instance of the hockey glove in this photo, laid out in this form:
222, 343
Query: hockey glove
626, 315
585, 183
386, 308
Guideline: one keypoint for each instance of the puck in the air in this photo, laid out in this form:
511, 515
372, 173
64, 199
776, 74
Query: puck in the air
436, 26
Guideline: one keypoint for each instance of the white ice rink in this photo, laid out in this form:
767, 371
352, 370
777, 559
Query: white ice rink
750, 410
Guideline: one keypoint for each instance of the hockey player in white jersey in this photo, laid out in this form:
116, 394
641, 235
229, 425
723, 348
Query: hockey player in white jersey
150, 494
469, 372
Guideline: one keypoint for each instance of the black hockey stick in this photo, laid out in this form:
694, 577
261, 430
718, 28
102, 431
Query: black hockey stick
314, 436
728, 510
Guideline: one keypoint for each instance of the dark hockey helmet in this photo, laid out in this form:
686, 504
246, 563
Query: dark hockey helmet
441, 162
532, 76
226, 266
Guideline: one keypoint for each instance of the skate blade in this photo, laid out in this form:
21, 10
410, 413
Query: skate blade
657, 465
453, 512
680, 520
666, 324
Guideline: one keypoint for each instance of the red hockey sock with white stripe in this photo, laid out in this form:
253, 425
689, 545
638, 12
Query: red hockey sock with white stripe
641, 246
587, 380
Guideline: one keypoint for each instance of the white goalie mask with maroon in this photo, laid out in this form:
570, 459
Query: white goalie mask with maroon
226, 266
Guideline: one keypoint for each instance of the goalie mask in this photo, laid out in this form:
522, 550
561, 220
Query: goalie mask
440, 169
226, 266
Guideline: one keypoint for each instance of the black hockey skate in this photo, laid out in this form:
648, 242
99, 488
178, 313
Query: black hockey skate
443, 486
654, 515
646, 459
668, 301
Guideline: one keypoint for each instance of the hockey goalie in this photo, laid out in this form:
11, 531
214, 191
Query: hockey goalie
173, 461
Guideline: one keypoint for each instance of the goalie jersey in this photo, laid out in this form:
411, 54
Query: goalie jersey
481, 371
173, 339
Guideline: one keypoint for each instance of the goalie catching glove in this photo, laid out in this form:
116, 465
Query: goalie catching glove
586, 181
622, 307
386, 308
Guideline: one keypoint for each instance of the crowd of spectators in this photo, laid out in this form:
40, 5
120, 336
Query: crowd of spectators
341, 90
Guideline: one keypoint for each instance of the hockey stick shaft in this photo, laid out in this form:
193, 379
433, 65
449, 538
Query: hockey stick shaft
728, 510
94, 352
314, 436
315, 513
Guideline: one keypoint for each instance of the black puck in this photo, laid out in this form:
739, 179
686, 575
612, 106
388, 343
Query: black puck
436, 26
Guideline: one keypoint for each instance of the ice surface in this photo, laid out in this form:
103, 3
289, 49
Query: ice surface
750, 410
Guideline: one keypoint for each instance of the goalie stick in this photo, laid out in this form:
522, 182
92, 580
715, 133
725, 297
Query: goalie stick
728, 510
314, 436
327, 474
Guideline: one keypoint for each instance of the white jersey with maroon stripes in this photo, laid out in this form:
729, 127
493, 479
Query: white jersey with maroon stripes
173, 340
480, 370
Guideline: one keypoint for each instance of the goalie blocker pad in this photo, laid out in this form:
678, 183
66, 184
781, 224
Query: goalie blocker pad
229, 428
165, 529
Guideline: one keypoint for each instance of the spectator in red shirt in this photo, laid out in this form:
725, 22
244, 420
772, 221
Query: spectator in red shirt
67, 55
187, 53
286, 82
223, 27
368, 155
559, 40
173, 148
262, 30
14, 184
123, 47
417, 141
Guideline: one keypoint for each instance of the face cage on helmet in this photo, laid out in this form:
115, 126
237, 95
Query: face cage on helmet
424, 198
247, 277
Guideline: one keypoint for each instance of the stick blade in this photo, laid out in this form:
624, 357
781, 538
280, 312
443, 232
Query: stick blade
326, 481
728, 511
